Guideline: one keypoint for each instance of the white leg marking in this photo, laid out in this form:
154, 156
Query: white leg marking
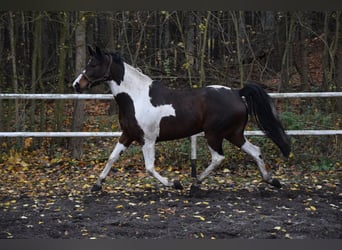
114, 156
149, 156
216, 160
193, 147
255, 152
77, 79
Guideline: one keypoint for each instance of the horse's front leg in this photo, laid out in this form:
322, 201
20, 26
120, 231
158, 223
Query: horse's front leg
149, 157
121, 146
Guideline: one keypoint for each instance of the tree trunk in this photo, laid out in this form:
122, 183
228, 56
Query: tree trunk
60, 74
78, 116
35, 68
14, 73
338, 56
339, 77
239, 42
186, 65
108, 41
325, 59
202, 52
189, 39
339, 89
335, 47
303, 67
286, 58
3, 124
106, 30
125, 33
329, 52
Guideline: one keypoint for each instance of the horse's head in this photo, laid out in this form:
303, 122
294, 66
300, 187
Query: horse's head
101, 67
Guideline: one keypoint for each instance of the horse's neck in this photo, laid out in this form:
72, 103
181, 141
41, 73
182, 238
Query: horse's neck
135, 83
135, 76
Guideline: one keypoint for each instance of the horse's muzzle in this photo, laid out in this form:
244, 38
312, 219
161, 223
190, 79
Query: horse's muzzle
77, 87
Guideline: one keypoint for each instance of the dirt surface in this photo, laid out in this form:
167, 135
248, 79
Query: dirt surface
263, 213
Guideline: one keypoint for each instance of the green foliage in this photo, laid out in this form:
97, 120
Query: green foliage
324, 164
311, 118
167, 66
291, 120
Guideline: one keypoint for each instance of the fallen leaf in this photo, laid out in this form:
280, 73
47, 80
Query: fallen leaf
312, 208
199, 217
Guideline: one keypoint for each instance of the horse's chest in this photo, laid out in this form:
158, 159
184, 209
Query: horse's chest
149, 116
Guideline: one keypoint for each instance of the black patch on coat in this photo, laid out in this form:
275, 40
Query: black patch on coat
128, 122
160, 94
117, 70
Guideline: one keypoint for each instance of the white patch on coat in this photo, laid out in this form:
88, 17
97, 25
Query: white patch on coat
218, 87
137, 86
77, 79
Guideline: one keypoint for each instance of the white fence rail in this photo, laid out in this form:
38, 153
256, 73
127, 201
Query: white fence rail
117, 134
110, 96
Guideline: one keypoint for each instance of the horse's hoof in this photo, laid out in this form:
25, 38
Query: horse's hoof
177, 184
276, 183
96, 188
194, 190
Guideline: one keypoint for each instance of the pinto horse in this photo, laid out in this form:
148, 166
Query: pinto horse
150, 112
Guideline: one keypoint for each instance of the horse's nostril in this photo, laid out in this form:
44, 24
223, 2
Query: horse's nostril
77, 87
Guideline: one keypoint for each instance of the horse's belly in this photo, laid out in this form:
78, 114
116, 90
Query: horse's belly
172, 128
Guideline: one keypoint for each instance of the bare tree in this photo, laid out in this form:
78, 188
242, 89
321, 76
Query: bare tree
302, 64
36, 67
61, 66
187, 48
238, 20
80, 60
14, 71
203, 48
331, 42
286, 57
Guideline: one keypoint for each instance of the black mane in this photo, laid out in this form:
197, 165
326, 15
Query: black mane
117, 71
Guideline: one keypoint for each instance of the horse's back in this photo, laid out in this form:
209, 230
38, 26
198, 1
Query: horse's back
213, 108
226, 110
221, 99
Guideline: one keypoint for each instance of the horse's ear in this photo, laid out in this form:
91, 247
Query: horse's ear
91, 51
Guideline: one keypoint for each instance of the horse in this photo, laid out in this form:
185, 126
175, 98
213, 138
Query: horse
150, 112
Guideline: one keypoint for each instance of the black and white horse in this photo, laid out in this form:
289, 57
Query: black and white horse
150, 112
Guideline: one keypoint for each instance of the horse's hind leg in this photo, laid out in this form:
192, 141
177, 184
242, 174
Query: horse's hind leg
121, 146
216, 151
215, 148
255, 152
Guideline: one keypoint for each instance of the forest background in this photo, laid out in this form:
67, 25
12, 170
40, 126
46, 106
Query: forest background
43, 51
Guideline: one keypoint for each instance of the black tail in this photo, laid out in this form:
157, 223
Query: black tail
261, 106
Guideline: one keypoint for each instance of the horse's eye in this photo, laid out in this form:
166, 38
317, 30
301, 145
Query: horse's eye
92, 65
